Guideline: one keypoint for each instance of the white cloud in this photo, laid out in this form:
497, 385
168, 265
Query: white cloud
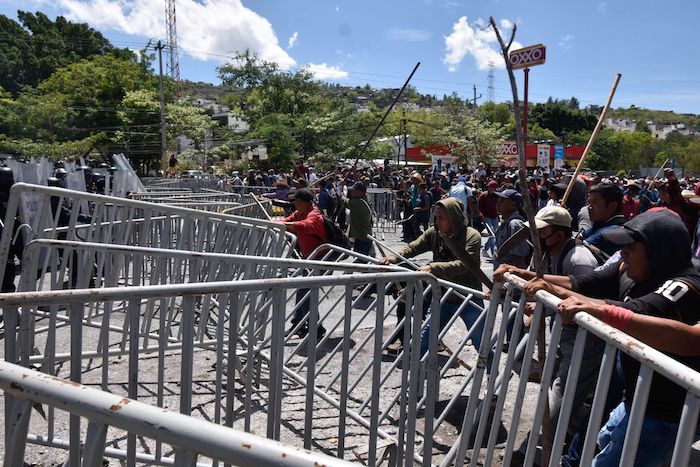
566, 41
506, 25
325, 71
292, 40
407, 35
602, 6
205, 28
479, 41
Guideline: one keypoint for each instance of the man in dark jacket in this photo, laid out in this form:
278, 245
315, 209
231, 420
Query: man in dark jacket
449, 222
605, 211
360, 219
650, 281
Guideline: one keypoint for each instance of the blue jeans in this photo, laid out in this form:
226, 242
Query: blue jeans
469, 315
491, 242
655, 442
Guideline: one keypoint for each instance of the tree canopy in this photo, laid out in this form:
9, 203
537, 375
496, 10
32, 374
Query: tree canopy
31, 51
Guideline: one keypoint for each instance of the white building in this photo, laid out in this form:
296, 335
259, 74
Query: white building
231, 120
620, 124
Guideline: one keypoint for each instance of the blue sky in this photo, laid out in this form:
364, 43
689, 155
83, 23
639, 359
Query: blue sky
378, 42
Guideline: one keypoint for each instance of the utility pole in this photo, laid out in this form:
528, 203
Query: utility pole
491, 96
404, 122
163, 142
204, 162
475, 98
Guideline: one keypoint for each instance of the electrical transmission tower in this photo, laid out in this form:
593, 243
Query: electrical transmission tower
173, 64
491, 94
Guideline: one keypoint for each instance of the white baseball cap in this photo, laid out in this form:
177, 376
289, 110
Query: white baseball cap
552, 215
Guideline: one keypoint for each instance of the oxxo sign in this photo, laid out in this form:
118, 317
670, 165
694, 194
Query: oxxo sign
527, 57
509, 149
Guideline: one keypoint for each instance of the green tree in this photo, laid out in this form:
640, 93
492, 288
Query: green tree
558, 116
139, 135
471, 139
31, 51
95, 87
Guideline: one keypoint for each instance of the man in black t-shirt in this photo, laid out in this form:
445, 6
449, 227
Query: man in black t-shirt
650, 280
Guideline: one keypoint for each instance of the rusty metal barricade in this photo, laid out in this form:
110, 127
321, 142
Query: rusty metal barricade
129, 266
190, 438
284, 366
482, 427
454, 358
123, 221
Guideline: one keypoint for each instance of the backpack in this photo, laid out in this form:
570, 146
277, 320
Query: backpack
600, 256
335, 234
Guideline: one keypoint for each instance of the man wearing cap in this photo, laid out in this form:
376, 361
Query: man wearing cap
486, 204
360, 219
306, 222
563, 256
556, 193
509, 206
651, 281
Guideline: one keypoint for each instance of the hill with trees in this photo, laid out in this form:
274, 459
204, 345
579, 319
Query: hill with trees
66, 92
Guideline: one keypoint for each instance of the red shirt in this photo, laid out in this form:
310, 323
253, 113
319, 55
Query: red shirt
630, 207
486, 204
309, 230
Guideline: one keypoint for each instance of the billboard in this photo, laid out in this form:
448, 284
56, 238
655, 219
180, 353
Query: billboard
558, 156
543, 155
528, 56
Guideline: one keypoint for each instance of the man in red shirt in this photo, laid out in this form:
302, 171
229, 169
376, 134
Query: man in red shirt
306, 222
486, 204
630, 201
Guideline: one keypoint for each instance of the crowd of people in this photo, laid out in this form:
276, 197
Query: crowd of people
625, 250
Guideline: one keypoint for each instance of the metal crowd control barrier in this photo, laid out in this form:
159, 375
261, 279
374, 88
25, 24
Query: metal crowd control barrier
189, 437
123, 221
366, 406
124, 265
462, 365
387, 210
483, 428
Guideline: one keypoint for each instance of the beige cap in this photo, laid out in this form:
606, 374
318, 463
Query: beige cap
552, 215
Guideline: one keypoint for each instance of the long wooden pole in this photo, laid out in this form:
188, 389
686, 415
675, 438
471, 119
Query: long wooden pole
658, 172
547, 432
381, 122
591, 140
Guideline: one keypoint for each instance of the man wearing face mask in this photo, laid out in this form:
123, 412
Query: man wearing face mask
563, 256
650, 280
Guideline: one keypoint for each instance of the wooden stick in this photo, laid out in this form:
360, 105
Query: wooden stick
381, 122
591, 140
651, 182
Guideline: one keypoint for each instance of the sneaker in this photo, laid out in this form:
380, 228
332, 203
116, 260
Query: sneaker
485, 254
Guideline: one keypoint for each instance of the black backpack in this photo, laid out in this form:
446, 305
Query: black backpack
335, 234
